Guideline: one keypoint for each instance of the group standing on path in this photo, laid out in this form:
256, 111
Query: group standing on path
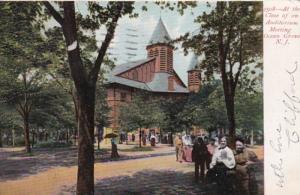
224, 166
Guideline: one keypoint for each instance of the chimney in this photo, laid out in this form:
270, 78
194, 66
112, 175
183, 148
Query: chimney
194, 80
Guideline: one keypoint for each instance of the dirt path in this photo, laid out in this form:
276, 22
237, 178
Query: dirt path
54, 179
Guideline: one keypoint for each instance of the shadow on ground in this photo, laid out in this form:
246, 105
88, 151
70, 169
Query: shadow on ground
154, 182
14, 165
149, 182
159, 182
18, 164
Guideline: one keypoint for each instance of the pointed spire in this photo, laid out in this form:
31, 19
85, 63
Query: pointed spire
194, 63
160, 34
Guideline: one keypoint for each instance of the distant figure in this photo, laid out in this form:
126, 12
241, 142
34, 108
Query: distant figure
178, 148
243, 158
199, 154
114, 149
133, 137
152, 140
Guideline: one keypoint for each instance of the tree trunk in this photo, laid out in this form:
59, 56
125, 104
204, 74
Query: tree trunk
85, 84
57, 135
100, 135
98, 145
75, 136
75, 102
32, 138
13, 138
229, 100
7, 139
1, 145
140, 138
26, 133
252, 136
85, 175
67, 138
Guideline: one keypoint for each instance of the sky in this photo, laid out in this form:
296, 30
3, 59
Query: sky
132, 35
140, 29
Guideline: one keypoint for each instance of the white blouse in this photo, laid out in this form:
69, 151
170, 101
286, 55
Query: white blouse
224, 155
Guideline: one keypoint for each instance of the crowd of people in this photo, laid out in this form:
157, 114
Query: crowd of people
216, 162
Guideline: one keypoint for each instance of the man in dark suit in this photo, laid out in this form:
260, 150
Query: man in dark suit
199, 154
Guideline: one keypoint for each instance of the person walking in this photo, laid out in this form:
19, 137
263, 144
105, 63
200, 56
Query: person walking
178, 148
199, 154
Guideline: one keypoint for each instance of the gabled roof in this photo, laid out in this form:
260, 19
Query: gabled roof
127, 82
160, 84
129, 65
160, 34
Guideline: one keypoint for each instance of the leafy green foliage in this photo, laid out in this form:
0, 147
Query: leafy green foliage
174, 121
230, 39
142, 112
207, 110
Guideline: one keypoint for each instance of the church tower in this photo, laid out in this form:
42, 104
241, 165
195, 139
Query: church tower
160, 48
194, 75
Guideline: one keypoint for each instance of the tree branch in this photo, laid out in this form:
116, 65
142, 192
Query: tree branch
69, 91
20, 109
93, 75
54, 13
29, 106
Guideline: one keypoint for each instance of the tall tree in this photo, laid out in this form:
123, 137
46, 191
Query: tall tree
85, 76
230, 38
59, 69
21, 51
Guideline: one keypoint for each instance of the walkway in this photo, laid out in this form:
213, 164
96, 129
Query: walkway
54, 180
145, 176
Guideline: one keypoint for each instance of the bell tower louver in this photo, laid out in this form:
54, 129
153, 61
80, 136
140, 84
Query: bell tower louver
159, 47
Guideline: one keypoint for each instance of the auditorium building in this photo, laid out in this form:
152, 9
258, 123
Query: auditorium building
155, 74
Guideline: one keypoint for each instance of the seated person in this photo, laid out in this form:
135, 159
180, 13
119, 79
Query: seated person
223, 155
222, 162
243, 157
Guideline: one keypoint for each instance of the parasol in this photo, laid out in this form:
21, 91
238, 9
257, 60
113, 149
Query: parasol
111, 135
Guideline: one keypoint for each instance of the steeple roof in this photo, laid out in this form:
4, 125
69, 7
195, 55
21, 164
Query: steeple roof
160, 34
